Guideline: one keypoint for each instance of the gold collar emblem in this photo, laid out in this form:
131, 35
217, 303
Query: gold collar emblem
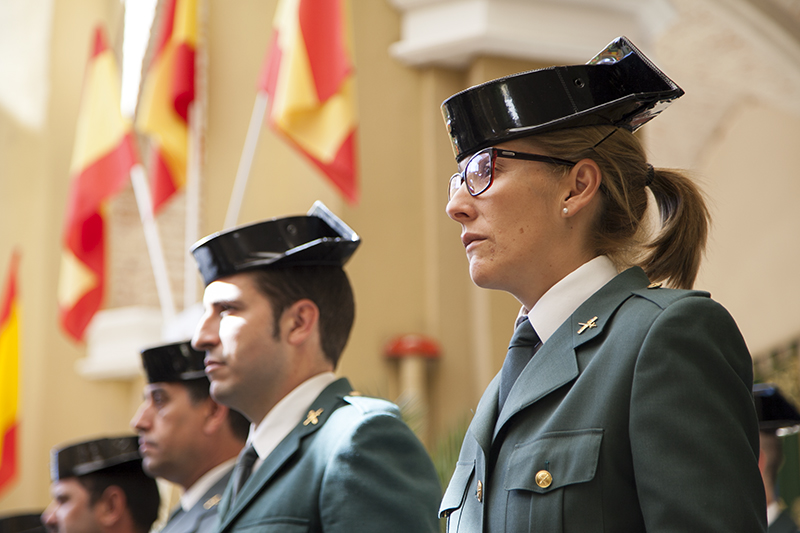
313, 417
587, 325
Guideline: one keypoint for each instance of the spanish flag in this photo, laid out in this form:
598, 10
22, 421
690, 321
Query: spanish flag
102, 158
9, 378
167, 92
310, 81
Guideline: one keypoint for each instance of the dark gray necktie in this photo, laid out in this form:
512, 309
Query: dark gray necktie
243, 469
523, 345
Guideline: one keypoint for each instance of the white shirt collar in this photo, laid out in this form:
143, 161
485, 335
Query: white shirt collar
286, 414
563, 298
206, 481
773, 512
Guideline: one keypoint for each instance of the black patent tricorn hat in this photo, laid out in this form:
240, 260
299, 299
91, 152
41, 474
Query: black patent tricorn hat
618, 87
319, 238
92, 456
773, 409
173, 362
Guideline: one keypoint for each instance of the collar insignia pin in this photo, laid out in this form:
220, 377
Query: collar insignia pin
212, 501
313, 417
587, 325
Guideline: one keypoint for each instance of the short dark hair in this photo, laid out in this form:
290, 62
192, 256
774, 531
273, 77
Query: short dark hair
326, 286
198, 390
141, 491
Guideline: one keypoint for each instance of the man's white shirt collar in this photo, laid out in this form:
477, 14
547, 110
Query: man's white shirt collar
773, 512
563, 298
286, 414
206, 481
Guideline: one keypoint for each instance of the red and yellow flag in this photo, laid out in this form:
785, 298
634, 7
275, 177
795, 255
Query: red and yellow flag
310, 81
167, 92
9, 378
101, 161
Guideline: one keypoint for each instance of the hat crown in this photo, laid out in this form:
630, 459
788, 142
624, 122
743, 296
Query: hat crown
618, 87
318, 238
773, 409
173, 362
90, 456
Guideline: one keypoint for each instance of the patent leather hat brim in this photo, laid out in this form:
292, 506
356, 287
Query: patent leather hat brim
92, 456
320, 238
618, 87
174, 362
773, 409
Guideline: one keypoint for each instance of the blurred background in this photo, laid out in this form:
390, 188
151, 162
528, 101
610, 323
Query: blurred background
424, 335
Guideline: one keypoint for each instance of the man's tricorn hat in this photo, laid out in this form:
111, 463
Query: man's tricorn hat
173, 362
618, 87
319, 238
773, 409
92, 456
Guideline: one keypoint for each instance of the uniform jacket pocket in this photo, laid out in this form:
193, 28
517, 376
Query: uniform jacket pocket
555, 460
547, 483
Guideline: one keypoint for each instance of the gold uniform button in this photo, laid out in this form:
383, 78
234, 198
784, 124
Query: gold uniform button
544, 479
480, 491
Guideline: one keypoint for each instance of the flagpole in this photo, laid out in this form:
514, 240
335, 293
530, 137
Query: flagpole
246, 160
191, 234
194, 160
157, 261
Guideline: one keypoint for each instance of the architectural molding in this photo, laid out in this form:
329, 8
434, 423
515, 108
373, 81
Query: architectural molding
451, 33
114, 339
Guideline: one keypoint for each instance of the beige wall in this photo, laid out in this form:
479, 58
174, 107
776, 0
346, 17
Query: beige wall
410, 273
753, 182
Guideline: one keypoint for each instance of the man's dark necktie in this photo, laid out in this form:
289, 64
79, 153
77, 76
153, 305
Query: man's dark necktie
523, 345
243, 469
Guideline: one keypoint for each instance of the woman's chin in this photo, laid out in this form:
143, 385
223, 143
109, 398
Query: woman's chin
480, 276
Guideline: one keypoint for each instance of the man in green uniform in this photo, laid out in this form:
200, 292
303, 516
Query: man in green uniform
99, 487
278, 309
776, 417
185, 436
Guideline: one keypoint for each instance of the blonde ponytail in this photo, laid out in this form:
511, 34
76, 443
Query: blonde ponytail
670, 253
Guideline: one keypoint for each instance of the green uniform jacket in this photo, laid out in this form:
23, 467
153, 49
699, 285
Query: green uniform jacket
644, 422
359, 468
783, 524
202, 518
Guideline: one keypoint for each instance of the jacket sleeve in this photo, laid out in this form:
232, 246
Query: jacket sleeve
693, 427
380, 480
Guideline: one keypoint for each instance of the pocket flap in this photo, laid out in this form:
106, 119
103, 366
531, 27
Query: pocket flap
567, 456
457, 489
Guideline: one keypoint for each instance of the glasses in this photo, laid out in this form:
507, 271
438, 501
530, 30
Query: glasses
478, 173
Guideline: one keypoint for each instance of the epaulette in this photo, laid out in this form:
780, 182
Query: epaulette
370, 405
663, 297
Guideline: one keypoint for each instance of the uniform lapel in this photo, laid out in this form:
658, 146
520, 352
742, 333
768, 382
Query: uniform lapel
328, 401
482, 424
189, 520
552, 366
556, 364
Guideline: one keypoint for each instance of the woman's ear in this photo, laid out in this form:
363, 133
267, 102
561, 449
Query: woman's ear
582, 183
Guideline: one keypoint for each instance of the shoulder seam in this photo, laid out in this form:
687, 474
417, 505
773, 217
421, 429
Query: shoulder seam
666, 297
371, 405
